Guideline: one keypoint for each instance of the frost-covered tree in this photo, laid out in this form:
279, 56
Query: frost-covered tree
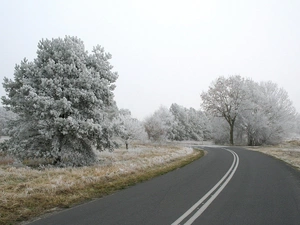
278, 113
199, 125
189, 124
219, 130
64, 102
130, 129
5, 117
260, 113
225, 98
180, 127
158, 125
268, 116
251, 118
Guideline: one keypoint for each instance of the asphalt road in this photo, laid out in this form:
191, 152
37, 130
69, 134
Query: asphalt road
255, 189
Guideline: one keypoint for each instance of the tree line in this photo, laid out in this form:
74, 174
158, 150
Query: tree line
251, 112
61, 107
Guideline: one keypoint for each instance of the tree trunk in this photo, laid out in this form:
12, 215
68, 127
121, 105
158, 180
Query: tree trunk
231, 134
57, 160
250, 140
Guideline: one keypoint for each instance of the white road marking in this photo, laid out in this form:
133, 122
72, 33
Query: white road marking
202, 208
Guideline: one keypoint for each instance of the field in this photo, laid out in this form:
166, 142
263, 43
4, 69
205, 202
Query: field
27, 193
288, 152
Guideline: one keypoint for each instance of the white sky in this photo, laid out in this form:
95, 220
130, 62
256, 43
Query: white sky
165, 51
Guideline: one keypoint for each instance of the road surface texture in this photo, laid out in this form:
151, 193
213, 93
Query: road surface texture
228, 185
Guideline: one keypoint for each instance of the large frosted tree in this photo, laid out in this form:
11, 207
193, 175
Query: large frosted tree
269, 115
278, 112
225, 98
64, 101
257, 113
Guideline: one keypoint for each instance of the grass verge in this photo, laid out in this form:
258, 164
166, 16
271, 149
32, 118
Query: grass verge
289, 152
22, 199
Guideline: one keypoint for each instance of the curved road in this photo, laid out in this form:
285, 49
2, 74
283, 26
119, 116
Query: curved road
228, 186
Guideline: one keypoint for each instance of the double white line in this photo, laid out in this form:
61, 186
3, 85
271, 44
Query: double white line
197, 209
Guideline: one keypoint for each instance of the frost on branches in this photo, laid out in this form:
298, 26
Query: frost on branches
5, 117
129, 129
272, 116
188, 124
225, 98
260, 113
159, 125
177, 124
64, 100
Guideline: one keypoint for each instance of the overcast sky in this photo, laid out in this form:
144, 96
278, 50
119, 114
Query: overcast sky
165, 51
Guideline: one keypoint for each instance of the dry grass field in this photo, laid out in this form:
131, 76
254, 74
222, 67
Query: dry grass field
26, 192
289, 152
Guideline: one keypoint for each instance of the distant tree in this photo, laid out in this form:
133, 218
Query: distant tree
251, 120
277, 113
130, 129
206, 125
64, 102
158, 125
269, 116
259, 113
189, 124
199, 125
181, 126
125, 112
225, 99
